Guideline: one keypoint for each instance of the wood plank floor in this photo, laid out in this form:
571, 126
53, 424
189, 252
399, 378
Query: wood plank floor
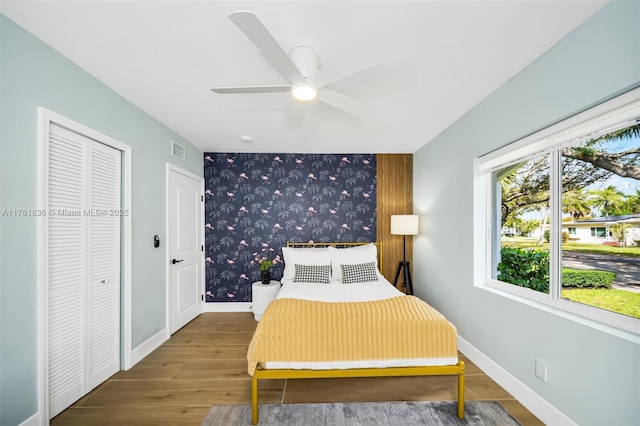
204, 364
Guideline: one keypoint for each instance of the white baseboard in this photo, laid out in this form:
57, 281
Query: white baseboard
546, 412
227, 307
148, 346
33, 420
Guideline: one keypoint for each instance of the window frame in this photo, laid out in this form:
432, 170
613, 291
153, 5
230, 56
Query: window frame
606, 117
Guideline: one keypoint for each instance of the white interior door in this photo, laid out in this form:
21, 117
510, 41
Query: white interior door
185, 210
83, 265
104, 264
66, 269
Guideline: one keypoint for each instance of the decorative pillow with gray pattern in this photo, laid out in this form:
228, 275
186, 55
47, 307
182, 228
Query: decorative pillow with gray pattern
359, 273
312, 274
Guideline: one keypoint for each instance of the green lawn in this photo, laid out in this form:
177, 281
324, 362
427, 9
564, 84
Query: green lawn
614, 300
523, 242
621, 301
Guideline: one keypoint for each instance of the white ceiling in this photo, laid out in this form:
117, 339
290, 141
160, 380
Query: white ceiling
165, 56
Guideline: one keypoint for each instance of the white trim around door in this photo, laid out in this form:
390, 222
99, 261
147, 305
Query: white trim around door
47, 117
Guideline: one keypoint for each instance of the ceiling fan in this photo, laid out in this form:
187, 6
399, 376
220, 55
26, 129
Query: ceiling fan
302, 67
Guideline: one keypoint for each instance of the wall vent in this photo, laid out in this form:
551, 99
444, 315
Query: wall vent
178, 150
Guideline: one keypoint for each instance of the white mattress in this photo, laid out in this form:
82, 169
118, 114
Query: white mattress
338, 292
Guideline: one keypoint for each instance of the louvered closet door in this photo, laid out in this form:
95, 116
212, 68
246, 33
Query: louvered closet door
67, 270
104, 263
83, 265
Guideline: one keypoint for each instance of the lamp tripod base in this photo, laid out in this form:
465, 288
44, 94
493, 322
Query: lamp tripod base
406, 278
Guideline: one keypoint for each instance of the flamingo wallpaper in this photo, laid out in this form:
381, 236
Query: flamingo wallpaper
255, 203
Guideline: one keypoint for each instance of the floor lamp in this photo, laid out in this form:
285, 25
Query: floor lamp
404, 224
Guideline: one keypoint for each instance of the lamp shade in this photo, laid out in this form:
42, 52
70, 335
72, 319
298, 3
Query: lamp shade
404, 224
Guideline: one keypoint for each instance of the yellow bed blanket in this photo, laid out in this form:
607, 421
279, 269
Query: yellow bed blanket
295, 330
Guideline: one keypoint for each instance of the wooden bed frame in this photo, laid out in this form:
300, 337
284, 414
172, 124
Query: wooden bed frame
444, 370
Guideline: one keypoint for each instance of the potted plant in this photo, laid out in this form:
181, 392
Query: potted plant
265, 261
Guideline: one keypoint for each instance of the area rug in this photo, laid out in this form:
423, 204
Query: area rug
408, 413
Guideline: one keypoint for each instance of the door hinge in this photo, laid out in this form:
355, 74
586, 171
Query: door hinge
202, 297
201, 248
202, 198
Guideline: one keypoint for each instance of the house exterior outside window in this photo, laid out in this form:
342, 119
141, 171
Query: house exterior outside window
599, 230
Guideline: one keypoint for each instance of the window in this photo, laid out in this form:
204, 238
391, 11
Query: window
580, 170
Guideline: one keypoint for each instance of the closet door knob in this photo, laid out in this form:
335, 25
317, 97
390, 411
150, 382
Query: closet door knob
174, 261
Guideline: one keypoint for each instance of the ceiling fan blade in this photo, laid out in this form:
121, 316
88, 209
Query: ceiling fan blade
344, 102
366, 55
297, 113
251, 89
251, 26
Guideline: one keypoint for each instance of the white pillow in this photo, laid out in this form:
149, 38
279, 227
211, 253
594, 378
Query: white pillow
302, 256
351, 256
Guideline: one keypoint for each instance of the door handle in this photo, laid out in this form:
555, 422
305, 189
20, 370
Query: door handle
174, 261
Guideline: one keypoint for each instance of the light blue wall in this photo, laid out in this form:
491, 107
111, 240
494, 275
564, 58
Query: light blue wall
593, 377
33, 75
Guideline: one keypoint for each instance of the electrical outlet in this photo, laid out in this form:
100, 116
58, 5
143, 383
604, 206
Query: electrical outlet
541, 370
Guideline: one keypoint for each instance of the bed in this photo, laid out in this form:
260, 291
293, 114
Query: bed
337, 316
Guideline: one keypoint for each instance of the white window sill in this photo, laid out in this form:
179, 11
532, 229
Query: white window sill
608, 322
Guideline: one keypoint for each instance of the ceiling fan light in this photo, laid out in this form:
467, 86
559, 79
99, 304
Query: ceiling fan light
304, 91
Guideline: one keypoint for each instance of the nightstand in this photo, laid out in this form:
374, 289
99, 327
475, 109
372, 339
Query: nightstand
262, 295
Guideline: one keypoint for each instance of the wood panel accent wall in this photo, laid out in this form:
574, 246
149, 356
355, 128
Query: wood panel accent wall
394, 196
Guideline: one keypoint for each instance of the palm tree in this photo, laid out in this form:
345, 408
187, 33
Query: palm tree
632, 203
608, 200
576, 204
